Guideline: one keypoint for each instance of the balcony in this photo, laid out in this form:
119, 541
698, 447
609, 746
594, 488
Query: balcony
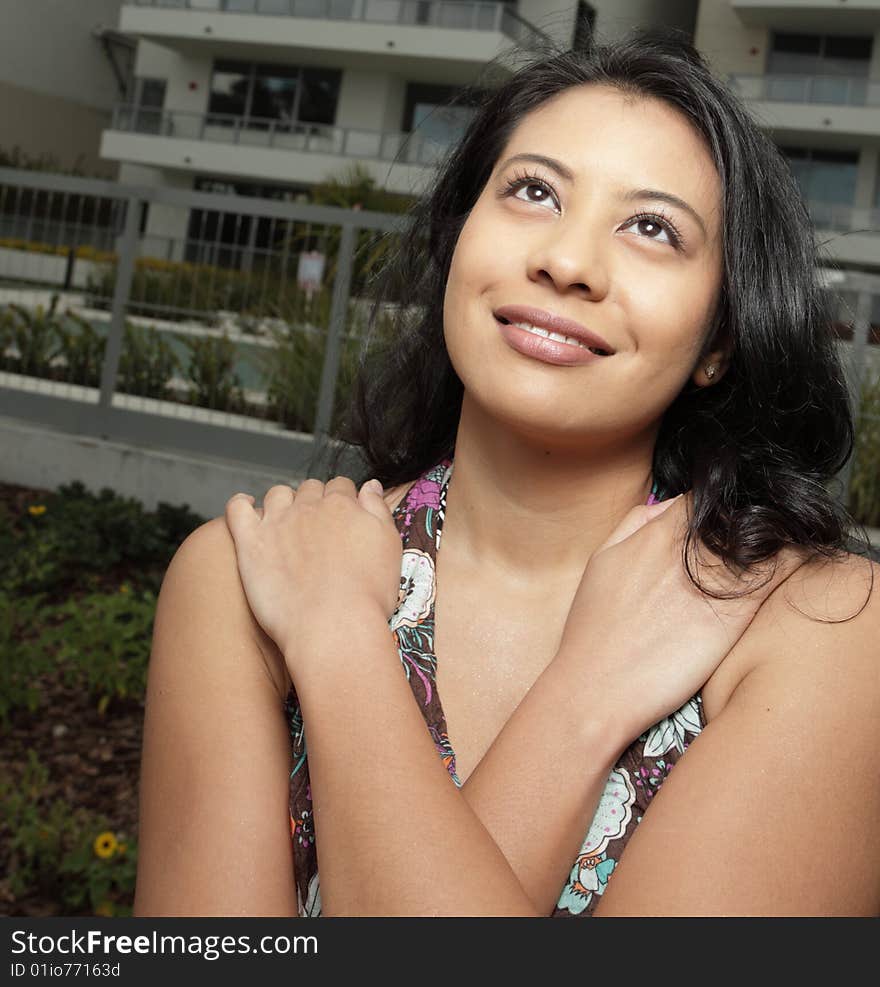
849, 234
810, 16
805, 104
419, 37
271, 149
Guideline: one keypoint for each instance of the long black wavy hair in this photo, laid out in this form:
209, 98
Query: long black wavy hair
760, 448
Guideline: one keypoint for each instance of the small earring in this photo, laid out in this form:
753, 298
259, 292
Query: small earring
710, 371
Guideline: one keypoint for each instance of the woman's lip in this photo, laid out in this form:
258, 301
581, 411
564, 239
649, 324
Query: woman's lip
544, 349
552, 323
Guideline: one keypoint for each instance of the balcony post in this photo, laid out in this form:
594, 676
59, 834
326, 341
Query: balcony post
125, 251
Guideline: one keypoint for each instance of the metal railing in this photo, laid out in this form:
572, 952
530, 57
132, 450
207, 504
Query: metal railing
828, 90
454, 14
844, 218
262, 293
293, 135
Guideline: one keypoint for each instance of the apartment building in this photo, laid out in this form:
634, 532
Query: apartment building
270, 97
810, 73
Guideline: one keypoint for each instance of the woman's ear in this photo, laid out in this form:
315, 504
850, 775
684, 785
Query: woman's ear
711, 368
712, 365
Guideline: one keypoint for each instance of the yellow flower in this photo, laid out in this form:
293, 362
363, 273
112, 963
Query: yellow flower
35, 510
105, 845
121, 848
124, 588
105, 909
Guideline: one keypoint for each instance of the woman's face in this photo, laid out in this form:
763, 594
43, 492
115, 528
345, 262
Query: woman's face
618, 230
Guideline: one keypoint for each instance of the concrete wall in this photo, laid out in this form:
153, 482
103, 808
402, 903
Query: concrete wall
41, 124
36, 456
729, 45
48, 47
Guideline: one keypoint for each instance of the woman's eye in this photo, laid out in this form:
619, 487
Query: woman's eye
545, 194
653, 229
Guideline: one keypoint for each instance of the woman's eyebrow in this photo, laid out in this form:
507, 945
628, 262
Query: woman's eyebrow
673, 200
639, 193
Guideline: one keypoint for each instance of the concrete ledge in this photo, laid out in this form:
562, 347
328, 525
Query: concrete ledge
34, 456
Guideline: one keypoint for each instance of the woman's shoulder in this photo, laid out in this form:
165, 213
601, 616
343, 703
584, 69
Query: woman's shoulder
823, 618
205, 568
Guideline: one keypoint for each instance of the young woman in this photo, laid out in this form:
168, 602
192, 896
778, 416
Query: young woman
621, 407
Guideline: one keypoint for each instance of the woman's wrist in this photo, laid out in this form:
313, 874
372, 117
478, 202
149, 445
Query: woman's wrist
603, 717
328, 644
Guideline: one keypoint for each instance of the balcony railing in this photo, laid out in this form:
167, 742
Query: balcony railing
842, 218
295, 135
832, 90
455, 14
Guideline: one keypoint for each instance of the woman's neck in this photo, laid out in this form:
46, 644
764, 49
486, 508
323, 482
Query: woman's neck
531, 512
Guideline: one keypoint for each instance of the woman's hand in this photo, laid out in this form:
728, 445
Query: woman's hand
313, 553
648, 638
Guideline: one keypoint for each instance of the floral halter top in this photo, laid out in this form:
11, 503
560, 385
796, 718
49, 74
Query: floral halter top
631, 785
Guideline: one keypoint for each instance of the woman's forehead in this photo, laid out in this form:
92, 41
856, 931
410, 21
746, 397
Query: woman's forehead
601, 133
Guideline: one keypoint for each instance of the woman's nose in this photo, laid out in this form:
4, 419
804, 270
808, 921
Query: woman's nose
571, 258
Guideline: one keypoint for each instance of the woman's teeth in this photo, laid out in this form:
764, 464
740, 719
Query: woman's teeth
538, 331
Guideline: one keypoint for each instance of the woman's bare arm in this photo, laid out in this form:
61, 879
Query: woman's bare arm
214, 836
775, 808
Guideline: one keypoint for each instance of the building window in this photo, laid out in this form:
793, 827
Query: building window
819, 54
428, 110
825, 177
261, 94
149, 98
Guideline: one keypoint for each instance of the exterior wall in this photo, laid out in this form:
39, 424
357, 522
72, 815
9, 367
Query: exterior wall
48, 47
364, 99
42, 124
866, 180
56, 83
729, 45
553, 17
166, 227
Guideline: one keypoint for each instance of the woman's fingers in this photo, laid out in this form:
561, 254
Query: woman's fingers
637, 518
277, 497
241, 517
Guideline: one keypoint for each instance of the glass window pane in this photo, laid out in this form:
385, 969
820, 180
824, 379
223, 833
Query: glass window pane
320, 93
849, 48
229, 88
274, 95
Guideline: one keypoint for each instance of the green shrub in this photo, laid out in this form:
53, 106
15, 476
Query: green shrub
75, 540
864, 486
82, 348
24, 658
34, 336
102, 643
63, 853
147, 363
212, 373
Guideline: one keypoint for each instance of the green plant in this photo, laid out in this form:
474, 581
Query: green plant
23, 656
67, 854
34, 336
82, 348
146, 364
864, 485
102, 643
75, 540
211, 370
